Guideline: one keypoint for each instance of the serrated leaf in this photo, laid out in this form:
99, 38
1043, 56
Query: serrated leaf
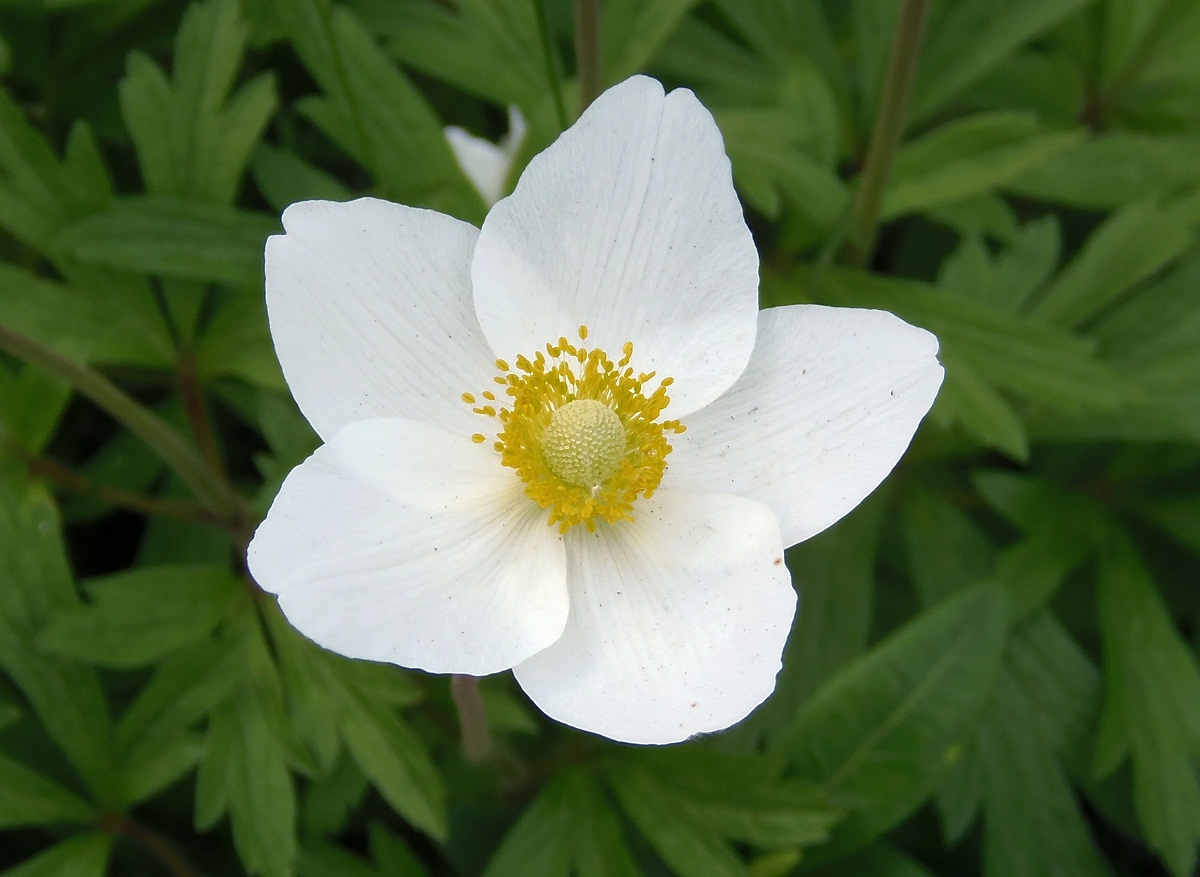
284, 178
881, 734
1152, 682
373, 112
968, 156
83, 856
192, 137
137, 617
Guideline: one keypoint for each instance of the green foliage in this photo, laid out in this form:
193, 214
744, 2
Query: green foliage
994, 667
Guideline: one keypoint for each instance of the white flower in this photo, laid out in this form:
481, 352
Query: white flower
532, 531
487, 165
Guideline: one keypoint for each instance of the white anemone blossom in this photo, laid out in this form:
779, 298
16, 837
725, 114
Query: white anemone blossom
487, 164
569, 443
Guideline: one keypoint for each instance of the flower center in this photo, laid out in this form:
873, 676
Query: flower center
584, 442
581, 431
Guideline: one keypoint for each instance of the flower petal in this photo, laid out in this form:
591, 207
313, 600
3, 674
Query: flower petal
677, 622
824, 411
628, 224
371, 314
400, 542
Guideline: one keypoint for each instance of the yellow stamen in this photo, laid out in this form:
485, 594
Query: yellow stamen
581, 432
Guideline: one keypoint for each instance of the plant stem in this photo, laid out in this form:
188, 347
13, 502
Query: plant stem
71, 480
587, 51
197, 414
134, 416
472, 718
552, 75
151, 841
888, 131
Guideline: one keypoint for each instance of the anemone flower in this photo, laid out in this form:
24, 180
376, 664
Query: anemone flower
569, 443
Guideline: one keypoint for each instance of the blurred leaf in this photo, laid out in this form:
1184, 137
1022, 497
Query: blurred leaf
881, 734
1112, 169
967, 39
172, 238
28, 798
192, 137
284, 178
330, 798
85, 855
137, 617
372, 111
1131, 245
880, 860
631, 31
966, 157
1152, 684
985, 415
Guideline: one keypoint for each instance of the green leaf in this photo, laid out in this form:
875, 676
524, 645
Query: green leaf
569, 829
491, 48
1153, 682
1132, 244
1044, 708
38, 193
137, 617
540, 844
28, 798
838, 570
373, 112
966, 157
284, 178
393, 759
690, 808
192, 138
85, 323
66, 696
968, 39
172, 238
259, 789
1112, 169
983, 413
631, 31
85, 855
881, 734
1046, 364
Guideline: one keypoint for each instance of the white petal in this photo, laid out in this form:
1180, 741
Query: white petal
677, 622
400, 542
826, 408
629, 224
486, 164
371, 314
